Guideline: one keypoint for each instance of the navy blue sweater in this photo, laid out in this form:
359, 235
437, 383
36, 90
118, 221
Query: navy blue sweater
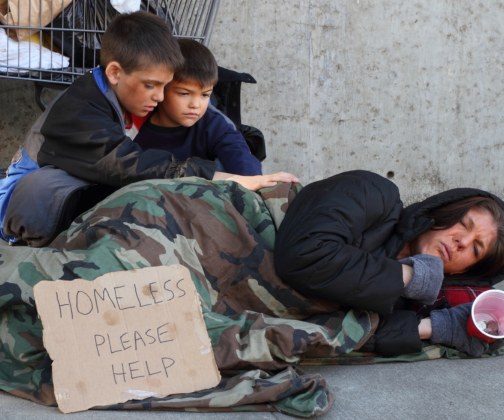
213, 137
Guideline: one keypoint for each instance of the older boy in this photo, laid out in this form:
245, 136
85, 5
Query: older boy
186, 124
78, 151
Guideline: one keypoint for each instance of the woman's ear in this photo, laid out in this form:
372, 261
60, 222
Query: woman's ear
113, 71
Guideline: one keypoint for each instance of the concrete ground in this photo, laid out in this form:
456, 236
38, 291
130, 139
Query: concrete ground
437, 389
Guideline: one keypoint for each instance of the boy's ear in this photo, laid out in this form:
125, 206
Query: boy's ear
113, 72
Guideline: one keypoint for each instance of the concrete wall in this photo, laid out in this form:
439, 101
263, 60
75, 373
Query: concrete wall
18, 110
412, 90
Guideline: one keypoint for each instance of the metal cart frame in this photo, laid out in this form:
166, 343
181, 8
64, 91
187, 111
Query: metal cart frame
188, 19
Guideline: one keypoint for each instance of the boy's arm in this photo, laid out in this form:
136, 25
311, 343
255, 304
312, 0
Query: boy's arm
229, 146
256, 182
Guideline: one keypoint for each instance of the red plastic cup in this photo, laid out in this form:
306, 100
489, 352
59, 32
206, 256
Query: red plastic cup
487, 316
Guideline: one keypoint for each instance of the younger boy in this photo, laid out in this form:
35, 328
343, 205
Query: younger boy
78, 151
186, 124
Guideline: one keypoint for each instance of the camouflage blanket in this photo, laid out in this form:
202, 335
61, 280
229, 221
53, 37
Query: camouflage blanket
261, 330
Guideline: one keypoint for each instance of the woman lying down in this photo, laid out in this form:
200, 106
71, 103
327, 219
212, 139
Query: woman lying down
348, 239
283, 275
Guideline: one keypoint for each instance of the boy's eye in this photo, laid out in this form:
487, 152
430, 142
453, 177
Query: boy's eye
149, 86
206, 95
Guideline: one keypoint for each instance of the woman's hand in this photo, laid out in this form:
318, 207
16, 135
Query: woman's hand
257, 182
425, 281
449, 327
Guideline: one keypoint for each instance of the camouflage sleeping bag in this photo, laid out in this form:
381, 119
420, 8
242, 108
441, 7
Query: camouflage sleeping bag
261, 330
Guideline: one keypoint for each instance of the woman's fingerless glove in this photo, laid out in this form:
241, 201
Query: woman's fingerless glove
427, 278
449, 327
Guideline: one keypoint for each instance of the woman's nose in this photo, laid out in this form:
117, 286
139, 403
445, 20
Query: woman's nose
464, 240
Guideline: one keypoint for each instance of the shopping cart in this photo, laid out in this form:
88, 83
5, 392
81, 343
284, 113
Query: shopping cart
56, 41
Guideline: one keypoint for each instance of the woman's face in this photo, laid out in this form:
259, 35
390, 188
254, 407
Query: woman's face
462, 245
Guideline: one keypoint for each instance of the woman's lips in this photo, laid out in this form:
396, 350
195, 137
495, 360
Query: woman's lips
446, 251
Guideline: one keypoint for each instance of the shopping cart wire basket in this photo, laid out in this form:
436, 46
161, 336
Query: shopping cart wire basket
56, 41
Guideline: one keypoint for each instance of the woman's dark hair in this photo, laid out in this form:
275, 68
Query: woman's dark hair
448, 215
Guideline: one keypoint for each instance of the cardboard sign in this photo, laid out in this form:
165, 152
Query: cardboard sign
126, 335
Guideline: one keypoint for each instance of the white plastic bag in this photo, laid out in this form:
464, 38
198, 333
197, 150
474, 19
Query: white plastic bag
23, 56
126, 6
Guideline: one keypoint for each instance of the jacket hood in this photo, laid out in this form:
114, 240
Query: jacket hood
446, 197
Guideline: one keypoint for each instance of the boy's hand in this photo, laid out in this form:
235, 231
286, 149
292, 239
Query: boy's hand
257, 182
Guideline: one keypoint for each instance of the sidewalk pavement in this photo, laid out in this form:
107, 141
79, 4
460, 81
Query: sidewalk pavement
436, 389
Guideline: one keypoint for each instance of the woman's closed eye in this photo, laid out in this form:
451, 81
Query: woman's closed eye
476, 249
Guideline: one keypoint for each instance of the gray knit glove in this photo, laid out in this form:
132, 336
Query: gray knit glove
427, 278
449, 327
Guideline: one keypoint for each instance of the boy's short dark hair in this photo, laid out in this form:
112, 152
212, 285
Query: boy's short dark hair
140, 40
199, 64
